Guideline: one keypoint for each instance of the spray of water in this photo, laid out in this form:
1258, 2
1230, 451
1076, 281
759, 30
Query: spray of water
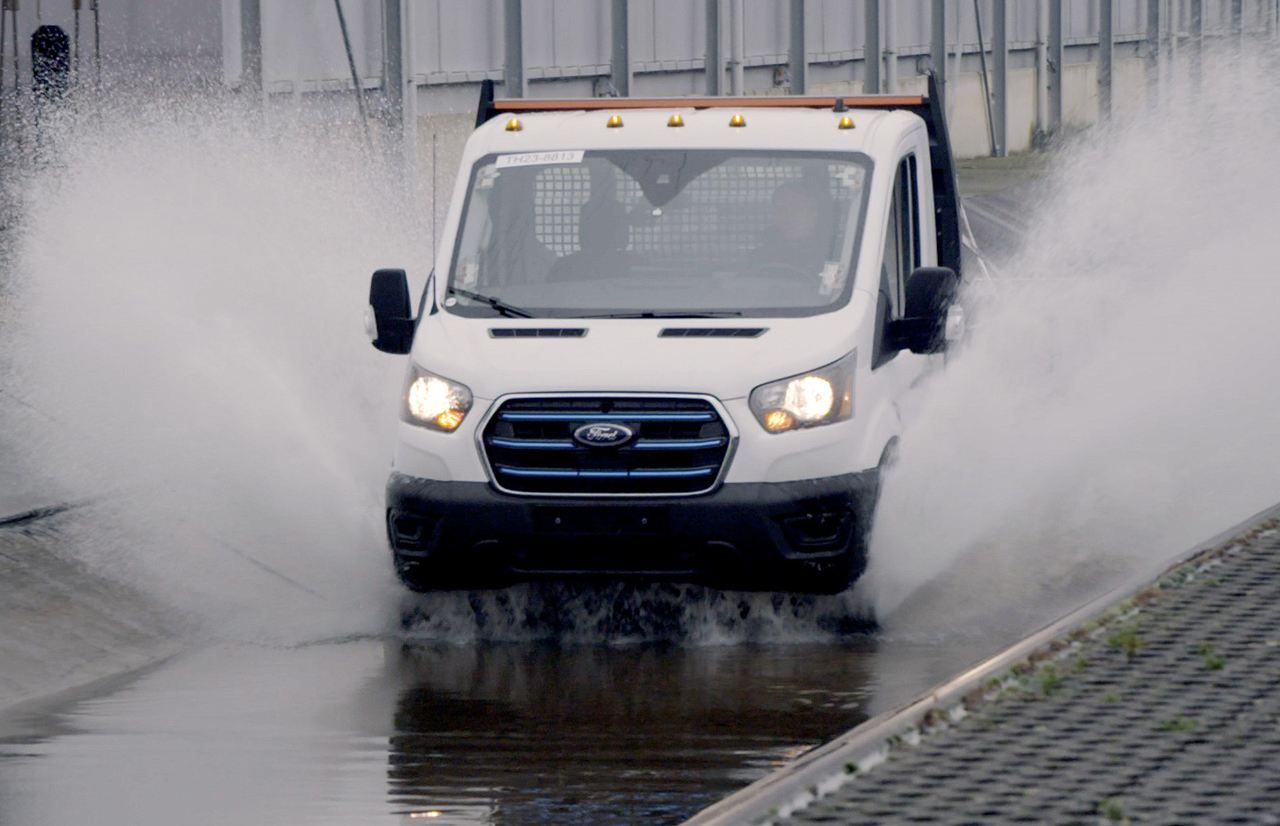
1119, 405
188, 288
185, 345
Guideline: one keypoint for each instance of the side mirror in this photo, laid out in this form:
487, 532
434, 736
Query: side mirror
389, 319
927, 323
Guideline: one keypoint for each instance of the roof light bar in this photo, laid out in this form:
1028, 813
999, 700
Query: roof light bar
512, 105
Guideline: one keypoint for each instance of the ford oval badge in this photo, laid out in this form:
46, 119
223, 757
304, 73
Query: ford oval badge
599, 434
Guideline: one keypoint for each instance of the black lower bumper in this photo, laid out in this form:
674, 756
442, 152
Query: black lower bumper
809, 535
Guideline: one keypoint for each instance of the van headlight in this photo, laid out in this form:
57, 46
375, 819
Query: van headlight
818, 397
434, 401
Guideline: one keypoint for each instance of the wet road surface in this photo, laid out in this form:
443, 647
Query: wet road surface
374, 731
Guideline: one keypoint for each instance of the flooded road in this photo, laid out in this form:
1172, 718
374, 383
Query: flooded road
384, 731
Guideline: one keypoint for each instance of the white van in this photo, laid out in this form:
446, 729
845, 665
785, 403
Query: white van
669, 339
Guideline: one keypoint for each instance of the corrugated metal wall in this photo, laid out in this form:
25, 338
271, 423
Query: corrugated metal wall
567, 42
461, 41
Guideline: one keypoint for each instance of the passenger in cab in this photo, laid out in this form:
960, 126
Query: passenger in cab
801, 221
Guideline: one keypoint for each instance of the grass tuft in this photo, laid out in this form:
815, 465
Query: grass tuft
1128, 640
1178, 724
1113, 810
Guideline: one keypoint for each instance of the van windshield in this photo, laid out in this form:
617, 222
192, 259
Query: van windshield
576, 233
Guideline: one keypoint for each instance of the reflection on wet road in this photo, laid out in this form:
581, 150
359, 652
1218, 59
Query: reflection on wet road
380, 731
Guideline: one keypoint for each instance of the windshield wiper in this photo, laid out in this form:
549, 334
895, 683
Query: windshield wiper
503, 308
670, 314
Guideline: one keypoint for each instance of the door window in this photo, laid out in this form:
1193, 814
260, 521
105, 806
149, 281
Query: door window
901, 250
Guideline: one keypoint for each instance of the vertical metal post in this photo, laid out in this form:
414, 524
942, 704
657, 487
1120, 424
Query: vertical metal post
357, 84
890, 36
986, 84
1000, 60
957, 50
4, 30
737, 48
938, 47
393, 68
4, 24
1195, 44
515, 83
1042, 68
798, 56
1106, 51
715, 50
871, 49
620, 62
97, 47
13, 33
1153, 50
398, 109
409, 102
1057, 72
250, 44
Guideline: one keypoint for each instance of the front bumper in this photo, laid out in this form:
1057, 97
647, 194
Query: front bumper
755, 536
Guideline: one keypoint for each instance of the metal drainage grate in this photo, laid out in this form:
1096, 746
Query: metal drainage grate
678, 446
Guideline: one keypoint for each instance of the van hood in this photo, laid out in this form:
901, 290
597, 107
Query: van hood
494, 357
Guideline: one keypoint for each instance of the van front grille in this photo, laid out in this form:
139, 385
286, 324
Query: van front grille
676, 446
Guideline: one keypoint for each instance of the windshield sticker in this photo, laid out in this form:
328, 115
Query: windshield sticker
540, 158
850, 177
487, 177
831, 282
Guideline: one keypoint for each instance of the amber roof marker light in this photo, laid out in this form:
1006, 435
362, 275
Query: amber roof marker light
846, 122
676, 120
737, 120
514, 125
614, 121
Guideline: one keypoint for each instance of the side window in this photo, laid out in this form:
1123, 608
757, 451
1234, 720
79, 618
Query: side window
902, 238
890, 266
910, 199
901, 253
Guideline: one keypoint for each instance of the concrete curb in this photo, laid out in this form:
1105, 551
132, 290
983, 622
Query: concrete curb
63, 627
824, 769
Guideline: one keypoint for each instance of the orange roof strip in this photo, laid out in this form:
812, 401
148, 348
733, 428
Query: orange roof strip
763, 102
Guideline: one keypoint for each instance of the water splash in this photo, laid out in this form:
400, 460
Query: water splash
1118, 406
622, 614
187, 291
